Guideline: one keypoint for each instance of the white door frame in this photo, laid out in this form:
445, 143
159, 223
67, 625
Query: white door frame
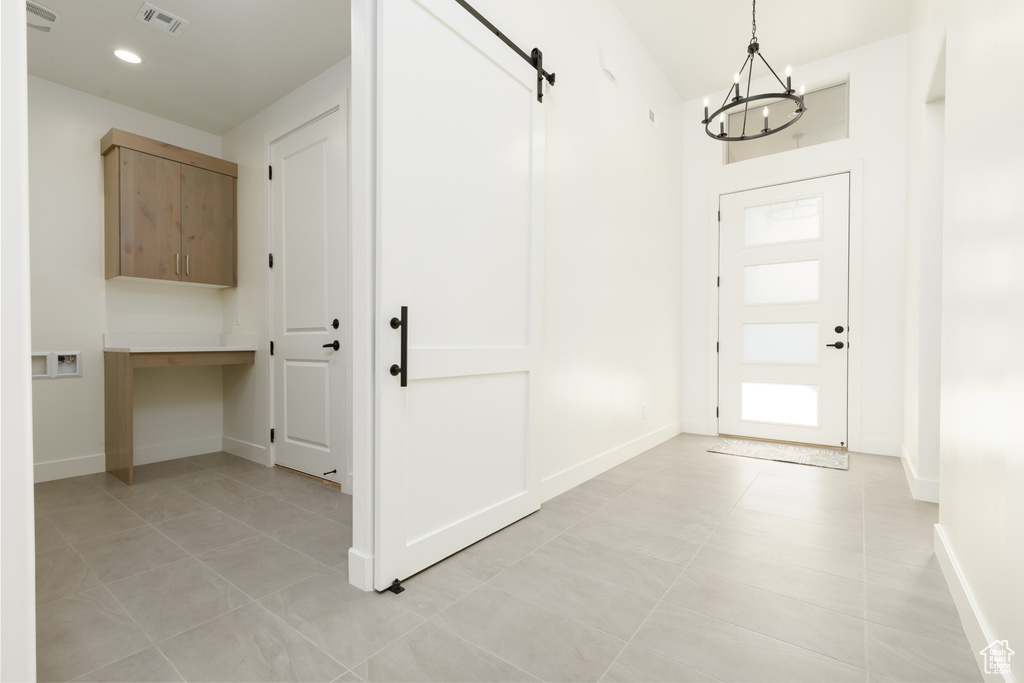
856, 350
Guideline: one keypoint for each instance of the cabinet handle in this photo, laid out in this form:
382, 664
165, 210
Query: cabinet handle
177, 264
186, 264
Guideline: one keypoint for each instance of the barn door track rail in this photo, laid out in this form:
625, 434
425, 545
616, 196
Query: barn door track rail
535, 58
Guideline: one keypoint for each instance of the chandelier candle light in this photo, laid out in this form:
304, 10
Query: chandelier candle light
734, 99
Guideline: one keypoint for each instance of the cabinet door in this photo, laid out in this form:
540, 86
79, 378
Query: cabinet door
208, 227
150, 216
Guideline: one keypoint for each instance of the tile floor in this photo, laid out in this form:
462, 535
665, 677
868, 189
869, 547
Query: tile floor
679, 565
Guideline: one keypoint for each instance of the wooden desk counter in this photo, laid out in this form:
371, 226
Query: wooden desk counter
119, 372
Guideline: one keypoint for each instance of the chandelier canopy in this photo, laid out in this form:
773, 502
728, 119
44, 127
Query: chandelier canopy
734, 100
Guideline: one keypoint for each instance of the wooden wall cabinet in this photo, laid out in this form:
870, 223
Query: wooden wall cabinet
170, 213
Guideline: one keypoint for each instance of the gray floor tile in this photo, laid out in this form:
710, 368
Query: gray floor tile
908, 578
592, 495
636, 572
611, 536
184, 480
320, 538
323, 499
848, 540
147, 666
818, 588
248, 644
129, 552
164, 505
924, 616
206, 531
685, 519
637, 664
55, 497
60, 573
430, 653
799, 623
844, 518
62, 651
434, 588
605, 606
916, 534
270, 479
539, 641
343, 621
221, 491
485, 559
236, 465
791, 551
176, 597
266, 513
905, 656
260, 565
84, 523
894, 550
47, 536
119, 490
701, 642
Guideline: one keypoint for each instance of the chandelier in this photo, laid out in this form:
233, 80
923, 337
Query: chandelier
734, 100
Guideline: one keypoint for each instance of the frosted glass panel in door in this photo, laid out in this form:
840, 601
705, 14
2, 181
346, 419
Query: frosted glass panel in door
781, 283
793, 221
792, 404
790, 343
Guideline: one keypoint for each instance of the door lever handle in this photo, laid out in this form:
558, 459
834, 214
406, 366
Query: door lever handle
837, 345
333, 345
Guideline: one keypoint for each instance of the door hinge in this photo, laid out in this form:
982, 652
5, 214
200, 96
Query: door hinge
718, 281
271, 348
271, 260
270, 172
719, 216
271, 435
716, 411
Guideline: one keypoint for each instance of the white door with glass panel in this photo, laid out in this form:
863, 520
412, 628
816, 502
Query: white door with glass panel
783, 308
460, 196
309, 209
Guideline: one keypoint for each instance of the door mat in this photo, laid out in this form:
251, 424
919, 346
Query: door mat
801, 455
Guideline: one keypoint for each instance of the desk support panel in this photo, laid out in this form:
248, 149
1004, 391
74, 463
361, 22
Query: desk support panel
118, 392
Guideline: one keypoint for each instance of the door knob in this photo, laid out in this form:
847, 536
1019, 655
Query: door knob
837, 345
334, 345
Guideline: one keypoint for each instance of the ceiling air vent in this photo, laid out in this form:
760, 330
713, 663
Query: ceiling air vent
161, 20
41, 18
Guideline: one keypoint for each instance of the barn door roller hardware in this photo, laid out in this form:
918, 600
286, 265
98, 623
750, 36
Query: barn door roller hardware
535, 58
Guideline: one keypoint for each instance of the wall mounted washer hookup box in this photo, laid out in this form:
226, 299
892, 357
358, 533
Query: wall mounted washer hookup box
56, 364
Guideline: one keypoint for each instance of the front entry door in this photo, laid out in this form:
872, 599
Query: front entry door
309, 215
783, 308
460, 184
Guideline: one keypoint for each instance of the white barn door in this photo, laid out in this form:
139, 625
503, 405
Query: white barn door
460, 164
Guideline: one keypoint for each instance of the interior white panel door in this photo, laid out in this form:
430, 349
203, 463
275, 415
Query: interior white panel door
459, 243
309, 215
783, 307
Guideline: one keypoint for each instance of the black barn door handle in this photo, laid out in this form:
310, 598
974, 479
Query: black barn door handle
402, 368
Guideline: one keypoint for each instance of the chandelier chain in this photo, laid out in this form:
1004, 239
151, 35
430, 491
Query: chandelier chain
753, 21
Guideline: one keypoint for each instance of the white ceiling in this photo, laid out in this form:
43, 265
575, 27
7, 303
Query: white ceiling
700, 44
239, 56
234, 59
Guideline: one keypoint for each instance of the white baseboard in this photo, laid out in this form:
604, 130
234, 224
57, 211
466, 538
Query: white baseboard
360, 569
697, 427
144, 455
921, 489
244, 449
561, 482
878, 446
978, 636
72, 467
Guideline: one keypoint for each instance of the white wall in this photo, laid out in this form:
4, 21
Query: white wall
876, 153
247, 390
925, 122
17, 540
73, 305
612, 284
981, 511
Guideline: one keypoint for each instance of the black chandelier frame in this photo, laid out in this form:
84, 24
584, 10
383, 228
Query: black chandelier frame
728, 105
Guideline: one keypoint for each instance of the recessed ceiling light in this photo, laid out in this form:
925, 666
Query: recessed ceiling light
129, 57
